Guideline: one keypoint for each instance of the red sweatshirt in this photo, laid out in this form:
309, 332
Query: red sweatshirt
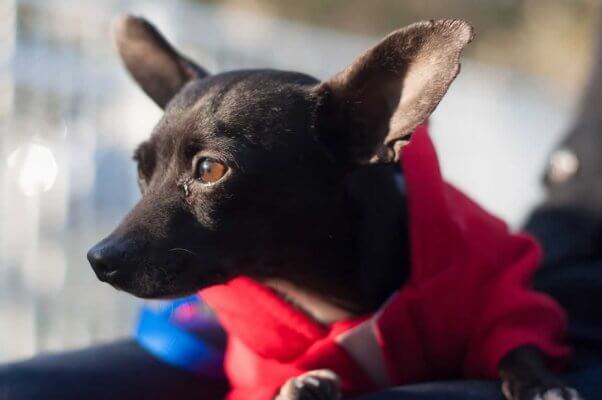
467, 303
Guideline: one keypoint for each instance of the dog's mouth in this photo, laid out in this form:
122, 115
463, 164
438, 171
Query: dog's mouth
166, 283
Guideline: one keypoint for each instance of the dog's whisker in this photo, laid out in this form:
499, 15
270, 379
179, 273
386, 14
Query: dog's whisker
183, 250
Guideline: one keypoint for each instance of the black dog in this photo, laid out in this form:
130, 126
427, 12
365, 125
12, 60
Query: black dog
268, 173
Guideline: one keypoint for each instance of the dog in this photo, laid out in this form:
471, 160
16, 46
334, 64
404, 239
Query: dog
272, 175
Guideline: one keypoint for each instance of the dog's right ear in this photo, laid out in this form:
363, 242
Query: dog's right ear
157, 67
369, 109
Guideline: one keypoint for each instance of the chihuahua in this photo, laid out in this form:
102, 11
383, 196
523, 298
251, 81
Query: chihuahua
261, 173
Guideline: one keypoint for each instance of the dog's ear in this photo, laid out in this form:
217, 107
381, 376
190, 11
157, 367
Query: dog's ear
157, 67
373, 105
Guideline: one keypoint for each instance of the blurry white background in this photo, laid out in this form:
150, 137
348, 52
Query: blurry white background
70, 117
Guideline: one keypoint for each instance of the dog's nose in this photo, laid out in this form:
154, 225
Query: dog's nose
103, 258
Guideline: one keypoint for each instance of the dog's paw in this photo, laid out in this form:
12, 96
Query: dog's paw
561, 393
320, 384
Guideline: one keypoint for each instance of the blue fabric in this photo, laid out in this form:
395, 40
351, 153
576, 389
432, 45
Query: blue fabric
125, 371
120, 370
588, 383
173, 341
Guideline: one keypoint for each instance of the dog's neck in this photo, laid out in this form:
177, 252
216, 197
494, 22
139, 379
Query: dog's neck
314, 305
377, 209
377, 249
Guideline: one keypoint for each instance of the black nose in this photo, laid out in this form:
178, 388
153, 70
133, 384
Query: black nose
104, 259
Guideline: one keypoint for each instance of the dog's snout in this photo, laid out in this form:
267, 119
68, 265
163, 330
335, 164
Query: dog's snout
104, 259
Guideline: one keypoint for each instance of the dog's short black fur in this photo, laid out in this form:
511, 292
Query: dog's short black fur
276, 175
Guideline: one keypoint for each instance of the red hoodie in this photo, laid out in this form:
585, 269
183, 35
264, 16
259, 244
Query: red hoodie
468, 302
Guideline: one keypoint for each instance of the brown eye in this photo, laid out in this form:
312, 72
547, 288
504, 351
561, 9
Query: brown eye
210, 171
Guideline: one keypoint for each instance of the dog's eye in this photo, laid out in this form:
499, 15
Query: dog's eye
210, 171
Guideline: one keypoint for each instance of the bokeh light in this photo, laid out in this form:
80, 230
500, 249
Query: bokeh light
34, 167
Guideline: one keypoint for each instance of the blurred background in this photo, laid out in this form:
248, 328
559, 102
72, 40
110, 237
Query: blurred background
70, 118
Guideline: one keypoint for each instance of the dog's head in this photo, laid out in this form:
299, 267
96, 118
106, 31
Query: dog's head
244, 174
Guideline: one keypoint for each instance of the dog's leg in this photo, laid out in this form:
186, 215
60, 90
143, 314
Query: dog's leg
525, 377
320, 384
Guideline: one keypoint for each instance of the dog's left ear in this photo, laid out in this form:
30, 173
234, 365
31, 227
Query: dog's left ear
160, 70
372, 106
